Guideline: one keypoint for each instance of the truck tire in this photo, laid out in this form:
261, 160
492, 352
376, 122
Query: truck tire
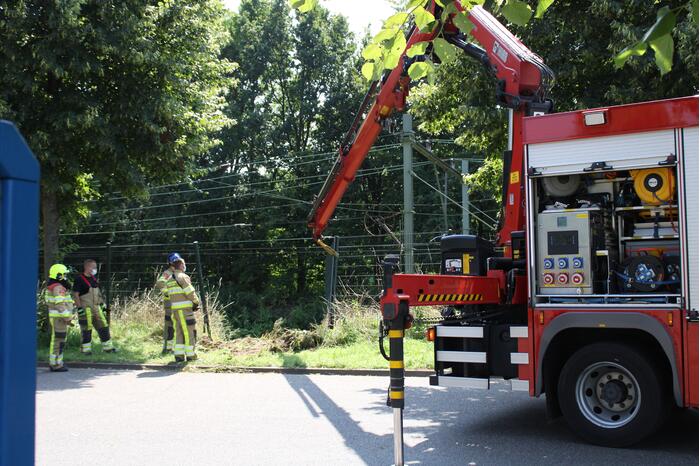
613, 394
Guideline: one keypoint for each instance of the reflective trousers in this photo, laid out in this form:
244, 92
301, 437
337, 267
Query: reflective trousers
88, 319
59, 330
185, 333
169, 327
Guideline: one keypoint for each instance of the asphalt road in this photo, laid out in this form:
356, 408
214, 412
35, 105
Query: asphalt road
98, 417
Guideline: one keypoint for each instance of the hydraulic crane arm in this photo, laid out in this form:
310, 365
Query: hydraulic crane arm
522, 79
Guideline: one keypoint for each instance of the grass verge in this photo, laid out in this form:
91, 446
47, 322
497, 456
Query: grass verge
350, 344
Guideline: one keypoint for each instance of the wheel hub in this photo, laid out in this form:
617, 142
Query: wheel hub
615, 390
607, 394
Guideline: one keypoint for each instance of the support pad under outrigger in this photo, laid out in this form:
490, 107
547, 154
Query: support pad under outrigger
395, 320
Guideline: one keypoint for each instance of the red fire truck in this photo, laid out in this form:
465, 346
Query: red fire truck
589, 294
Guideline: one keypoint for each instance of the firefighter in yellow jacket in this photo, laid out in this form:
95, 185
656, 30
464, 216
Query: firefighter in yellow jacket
60, 306
166, 281
183, 303
91, 309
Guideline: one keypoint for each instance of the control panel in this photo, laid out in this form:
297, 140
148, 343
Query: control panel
564, 251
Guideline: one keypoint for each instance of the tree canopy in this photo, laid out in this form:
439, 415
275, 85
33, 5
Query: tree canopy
111, 95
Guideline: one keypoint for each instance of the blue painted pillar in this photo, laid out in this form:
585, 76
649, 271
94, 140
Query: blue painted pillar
19, 260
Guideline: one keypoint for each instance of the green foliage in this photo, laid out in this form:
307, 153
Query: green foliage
487, 182
517, 12
292, 99
384, 50
658, 37
303, 6
112, 95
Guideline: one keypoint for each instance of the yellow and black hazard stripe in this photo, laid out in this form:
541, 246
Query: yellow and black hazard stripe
396, 368
422, 298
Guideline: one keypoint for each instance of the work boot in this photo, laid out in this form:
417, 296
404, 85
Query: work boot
179, 359
110, 350
58, 369
192, 358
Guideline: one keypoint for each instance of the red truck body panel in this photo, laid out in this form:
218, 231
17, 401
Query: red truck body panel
691, 366
632, 118
623, 119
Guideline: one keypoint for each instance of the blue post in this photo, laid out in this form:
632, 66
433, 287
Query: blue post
19, 258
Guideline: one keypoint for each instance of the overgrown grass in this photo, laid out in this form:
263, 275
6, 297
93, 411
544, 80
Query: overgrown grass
137, 329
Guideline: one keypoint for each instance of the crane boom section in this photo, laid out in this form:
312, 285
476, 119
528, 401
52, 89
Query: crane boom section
522, 80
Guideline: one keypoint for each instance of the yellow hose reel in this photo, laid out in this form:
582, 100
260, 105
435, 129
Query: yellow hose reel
654, 186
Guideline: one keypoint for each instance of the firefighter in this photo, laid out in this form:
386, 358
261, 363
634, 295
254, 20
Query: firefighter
91, 309
183, 303
164, 283
60, 307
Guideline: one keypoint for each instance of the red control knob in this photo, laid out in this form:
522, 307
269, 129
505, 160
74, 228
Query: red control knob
577, 278
563, 278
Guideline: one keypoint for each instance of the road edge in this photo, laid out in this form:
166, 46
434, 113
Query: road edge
239, 369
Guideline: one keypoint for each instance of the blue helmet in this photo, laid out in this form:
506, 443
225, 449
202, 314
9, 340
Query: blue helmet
174, 257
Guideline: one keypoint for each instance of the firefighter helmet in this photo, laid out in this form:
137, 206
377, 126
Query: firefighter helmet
58, 271
174, 257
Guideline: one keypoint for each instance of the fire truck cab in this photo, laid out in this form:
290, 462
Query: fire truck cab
602, 312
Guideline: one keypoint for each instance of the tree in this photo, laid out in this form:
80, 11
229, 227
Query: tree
111, 95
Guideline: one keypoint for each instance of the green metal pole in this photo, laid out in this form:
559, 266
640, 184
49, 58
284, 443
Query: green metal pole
407, 140
205, 310
465, 199
108, 291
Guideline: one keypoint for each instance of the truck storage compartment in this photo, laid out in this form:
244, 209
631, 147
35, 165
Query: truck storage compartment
605, 220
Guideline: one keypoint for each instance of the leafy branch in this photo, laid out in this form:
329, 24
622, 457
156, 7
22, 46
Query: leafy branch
659, 38
384, 51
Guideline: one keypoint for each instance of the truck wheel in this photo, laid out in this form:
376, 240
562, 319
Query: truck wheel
612, 394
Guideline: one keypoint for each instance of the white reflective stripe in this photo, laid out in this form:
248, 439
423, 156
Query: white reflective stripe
59, 300
519, 358
189, 289
463, 382
518, 332
460, 332
461, 356
56, 313
181, 304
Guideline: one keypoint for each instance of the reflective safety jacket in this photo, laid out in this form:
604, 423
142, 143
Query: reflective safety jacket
93, 297
165, 281
182, 294
58, 300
